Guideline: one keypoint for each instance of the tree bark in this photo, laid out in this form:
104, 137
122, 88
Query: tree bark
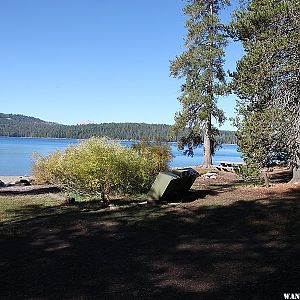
296, 172
207, 155
266, 177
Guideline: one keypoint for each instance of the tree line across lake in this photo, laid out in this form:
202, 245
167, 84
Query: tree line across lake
23, 126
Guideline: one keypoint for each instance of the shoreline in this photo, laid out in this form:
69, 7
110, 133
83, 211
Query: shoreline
81, 139
11, 178
38, 137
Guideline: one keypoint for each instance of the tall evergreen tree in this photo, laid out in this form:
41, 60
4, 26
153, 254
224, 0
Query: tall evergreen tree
267, 80
201, 65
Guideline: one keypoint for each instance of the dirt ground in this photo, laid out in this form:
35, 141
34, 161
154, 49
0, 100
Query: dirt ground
226, 240
230, 187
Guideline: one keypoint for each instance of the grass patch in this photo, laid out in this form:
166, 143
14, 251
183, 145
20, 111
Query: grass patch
10, 206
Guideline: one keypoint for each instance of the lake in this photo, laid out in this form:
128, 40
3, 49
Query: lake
16, 154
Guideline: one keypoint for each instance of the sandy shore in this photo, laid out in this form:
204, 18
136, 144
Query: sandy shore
12, 189
11, 179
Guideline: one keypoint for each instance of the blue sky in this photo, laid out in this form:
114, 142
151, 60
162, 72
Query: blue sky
101, 60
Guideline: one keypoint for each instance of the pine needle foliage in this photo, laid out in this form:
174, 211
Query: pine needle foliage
267, 80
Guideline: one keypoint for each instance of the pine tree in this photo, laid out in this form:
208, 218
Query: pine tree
201, 65
267, 80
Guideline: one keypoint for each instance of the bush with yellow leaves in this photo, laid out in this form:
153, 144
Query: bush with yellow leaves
99, 167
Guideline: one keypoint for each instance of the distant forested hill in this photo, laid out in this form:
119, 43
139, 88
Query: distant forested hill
23, 126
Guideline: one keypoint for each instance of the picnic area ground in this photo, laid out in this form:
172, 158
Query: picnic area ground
226, 240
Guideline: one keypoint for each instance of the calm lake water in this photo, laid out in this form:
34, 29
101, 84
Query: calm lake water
16, 154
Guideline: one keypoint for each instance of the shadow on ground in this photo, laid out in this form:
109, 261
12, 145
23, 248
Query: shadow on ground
246, 250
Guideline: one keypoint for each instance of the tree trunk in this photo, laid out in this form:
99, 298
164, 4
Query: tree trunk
296, 172
266, 177
207, 155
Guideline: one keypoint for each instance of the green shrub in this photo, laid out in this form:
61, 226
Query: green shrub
46, 169
250, 173
158, 152
100, 167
